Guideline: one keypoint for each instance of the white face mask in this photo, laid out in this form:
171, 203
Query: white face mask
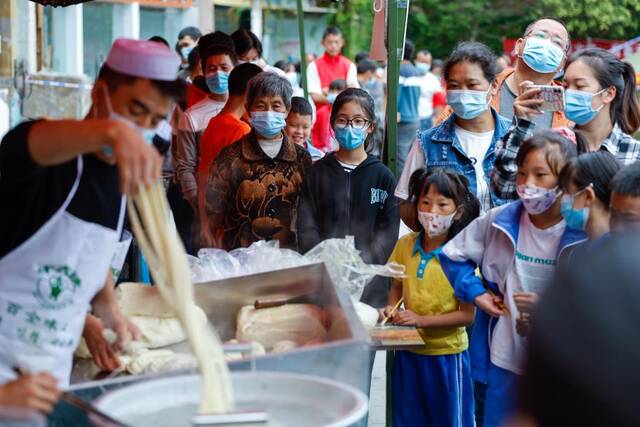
435, 224
537, 199
147, 134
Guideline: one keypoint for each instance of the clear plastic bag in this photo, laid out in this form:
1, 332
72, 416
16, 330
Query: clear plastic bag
346, 267
344, 264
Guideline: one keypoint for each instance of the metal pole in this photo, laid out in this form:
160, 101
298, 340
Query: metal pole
397, 14
303, 51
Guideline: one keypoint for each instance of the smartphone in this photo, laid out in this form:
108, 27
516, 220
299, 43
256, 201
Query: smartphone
553, 97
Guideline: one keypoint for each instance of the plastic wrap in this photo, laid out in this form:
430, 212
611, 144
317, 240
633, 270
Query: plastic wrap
344, 264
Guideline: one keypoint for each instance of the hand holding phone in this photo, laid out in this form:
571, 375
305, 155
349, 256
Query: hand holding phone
552, 97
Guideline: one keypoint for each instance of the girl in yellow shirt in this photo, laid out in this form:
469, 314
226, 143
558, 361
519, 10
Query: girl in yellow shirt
432, 385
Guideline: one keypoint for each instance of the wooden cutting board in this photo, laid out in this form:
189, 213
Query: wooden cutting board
395, 337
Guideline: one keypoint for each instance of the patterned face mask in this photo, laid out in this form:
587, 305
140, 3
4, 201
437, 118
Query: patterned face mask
537, 199
435, 224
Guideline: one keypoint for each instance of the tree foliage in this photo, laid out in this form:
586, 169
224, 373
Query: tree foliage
439, 25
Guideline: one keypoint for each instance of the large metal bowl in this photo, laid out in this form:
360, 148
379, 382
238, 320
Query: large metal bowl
289, 399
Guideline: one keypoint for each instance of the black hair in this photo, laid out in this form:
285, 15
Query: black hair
475, 53
301, 106
437, 63
358, 95
611, 71
192, 32
215, 38
284, 65
451, 185
338, 84
159, 39
595, 169
331, 31
174, 89
193, 59
409, 49
363, 99
424, 52
240, 77
558, 150
217, 49
361, 56
549, 18
627, 181
244, 40
366, 65
269, 84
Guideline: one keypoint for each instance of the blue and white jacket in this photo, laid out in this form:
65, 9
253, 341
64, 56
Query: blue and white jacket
489, 242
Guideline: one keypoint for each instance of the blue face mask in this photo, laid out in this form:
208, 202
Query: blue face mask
268, 123
350, 138
185, 51
575, 218
542, 55
422, 68
468, 104
218, 82
578, 106
331, 97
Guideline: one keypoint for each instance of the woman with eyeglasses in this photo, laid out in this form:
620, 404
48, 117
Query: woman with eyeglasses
600, 99
350, 193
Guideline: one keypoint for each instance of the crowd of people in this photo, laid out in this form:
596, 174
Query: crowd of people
499, 193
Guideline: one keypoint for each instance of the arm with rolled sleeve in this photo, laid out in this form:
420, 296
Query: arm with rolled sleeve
506, 169
462, 255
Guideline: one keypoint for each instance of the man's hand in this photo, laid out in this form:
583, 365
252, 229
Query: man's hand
525, 301
490, 304
527, 105
34, 391
406, 318
103, 356
139, 163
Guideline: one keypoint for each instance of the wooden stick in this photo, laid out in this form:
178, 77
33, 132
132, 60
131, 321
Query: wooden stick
393, 310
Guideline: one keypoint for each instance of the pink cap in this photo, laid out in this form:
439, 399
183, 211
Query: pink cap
141, 58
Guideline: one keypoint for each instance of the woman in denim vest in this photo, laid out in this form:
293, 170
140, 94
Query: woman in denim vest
466, 141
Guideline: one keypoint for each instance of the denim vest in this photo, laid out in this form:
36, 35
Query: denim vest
443, 150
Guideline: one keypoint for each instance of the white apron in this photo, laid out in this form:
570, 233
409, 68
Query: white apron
46, 286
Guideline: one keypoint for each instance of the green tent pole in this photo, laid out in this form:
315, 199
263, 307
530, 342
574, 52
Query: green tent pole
303, 50
397, 15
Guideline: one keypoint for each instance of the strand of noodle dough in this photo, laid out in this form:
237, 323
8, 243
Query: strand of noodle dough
158, 239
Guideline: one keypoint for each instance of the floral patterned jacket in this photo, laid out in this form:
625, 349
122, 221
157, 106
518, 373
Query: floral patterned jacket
251, 197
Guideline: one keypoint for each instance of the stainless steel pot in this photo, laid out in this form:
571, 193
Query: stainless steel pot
289, 399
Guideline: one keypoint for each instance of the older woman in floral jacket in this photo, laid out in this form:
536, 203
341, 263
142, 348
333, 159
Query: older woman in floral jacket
253, 186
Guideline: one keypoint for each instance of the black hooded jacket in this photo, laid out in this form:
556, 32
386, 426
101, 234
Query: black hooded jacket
335, 203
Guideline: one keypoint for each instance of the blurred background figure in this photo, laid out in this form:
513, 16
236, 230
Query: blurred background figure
503, 62
429, 86
187, 41
582, 365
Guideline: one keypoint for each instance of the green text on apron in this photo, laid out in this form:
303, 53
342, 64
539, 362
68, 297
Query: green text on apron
47, 285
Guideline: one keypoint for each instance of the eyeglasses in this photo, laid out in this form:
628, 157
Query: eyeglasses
542, 34
356, 123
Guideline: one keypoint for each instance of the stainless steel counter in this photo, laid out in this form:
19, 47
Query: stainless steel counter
346, 356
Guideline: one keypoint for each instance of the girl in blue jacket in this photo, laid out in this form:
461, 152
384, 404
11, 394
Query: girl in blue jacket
517, 247
350, 193
432, 385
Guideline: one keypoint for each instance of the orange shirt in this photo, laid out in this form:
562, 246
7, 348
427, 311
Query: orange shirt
222, 130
